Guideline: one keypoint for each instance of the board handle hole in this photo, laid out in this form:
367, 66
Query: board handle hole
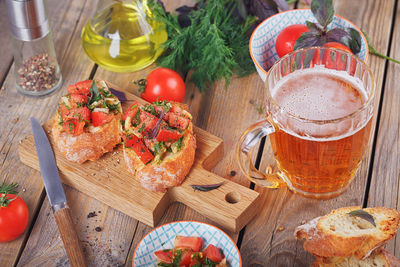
232, 197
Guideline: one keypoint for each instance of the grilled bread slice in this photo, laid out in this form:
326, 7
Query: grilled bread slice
159, 144
87, 122
379, 258
339, 234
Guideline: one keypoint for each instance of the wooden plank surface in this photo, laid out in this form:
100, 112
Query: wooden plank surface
385, 180
6, 47
269, 239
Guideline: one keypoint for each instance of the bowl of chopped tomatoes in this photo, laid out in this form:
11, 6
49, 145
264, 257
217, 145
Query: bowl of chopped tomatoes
186, 243
265, 45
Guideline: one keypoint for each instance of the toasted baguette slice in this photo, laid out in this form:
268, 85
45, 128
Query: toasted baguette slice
93, 142
173, 168
379, 258
340, 235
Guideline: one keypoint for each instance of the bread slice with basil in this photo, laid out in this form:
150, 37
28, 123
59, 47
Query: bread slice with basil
159, 144
87, 123
349, 231
378, 258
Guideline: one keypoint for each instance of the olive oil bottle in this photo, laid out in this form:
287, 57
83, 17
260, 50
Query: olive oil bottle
123, 37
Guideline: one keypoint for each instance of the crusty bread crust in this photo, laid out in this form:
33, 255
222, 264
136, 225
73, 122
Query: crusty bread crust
379, 258
170, 172
323, 240
88, 145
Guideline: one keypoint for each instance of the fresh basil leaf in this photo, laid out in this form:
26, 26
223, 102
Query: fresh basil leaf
261, 9
338, 35
354, 42
363, 215
308, 39
94, 93
323, 11
313, 27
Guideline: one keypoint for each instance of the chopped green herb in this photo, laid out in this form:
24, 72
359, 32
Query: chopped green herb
164, 104
70, 126
159, 147
142, 128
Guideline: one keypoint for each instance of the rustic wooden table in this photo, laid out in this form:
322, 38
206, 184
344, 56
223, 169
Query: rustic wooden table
226, 112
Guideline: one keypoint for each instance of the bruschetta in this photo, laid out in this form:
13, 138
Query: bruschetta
159, 144
88, 121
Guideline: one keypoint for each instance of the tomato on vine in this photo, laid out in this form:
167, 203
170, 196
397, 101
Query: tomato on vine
14, 213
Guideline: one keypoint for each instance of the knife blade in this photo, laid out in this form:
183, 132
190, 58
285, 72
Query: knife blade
56, 195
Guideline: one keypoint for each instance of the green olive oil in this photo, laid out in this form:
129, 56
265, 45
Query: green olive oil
124, 37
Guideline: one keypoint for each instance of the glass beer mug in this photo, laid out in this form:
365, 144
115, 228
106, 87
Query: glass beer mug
319, 109
122, 35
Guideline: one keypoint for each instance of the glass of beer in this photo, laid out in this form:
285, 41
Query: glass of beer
319, 106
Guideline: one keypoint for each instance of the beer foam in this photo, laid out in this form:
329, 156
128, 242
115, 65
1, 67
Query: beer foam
320, 94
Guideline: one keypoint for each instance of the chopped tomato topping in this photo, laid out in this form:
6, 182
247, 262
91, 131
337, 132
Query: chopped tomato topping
186, 257
78, 100
100, 118
139, 147
147, 122
213, 253
81, 114
73, 126
166, 134
166, 255
63, 109
132, 110
82, 87
194, 243
177, 121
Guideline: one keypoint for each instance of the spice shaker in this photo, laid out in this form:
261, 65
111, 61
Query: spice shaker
35, 64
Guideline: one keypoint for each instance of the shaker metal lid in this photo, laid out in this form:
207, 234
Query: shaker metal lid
27, 19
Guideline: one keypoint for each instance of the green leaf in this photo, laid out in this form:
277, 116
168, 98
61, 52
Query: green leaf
308, 39
94, 93
9, 188
363, 215
323, 11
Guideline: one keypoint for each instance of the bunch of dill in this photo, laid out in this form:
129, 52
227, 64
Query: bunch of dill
214, 45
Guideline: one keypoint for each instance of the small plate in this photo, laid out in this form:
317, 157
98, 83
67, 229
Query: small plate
262, 41
163, 237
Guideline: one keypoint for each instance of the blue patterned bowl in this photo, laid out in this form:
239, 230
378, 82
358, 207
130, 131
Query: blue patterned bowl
262, 41
163, 237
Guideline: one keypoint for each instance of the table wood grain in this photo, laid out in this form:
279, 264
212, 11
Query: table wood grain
223, 111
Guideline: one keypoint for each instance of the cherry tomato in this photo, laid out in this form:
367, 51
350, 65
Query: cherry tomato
164, 84
13, 218
100, 118
338, 46
287, 38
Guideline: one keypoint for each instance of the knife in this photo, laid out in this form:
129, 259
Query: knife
56, 195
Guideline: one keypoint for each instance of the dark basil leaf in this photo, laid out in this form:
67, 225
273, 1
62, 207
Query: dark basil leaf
313, 27
240, 10
363, 215
309, 39
260, 8
323, 11
338, 35
184, 20
354, 42
206, 187
309, 57
94, 93
120, 95
184, 9
282, 4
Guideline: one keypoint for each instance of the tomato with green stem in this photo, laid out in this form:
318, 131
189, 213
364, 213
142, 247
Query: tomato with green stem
14, 213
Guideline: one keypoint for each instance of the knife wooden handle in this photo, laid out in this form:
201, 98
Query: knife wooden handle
69, 237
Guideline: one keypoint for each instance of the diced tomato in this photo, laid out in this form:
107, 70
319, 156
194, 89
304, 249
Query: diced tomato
166, 134
186, 258
165, 255
177, 121
100, 118
139, 147
132, 110
197, 258
78, 100
63, 109
73, 126
213, 253
147, 122
82, 88
81, 114
190, 242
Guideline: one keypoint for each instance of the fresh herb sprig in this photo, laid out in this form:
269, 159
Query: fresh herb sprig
373, 51
213, 46
5, 190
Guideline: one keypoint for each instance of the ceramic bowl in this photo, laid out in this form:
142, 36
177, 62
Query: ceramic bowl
163, 237
262, 41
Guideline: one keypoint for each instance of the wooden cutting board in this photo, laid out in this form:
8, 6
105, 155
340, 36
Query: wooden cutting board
231, 206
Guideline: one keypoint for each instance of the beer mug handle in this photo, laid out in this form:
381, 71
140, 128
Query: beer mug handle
244, 156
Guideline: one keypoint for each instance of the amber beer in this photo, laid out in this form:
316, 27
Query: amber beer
316, 150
